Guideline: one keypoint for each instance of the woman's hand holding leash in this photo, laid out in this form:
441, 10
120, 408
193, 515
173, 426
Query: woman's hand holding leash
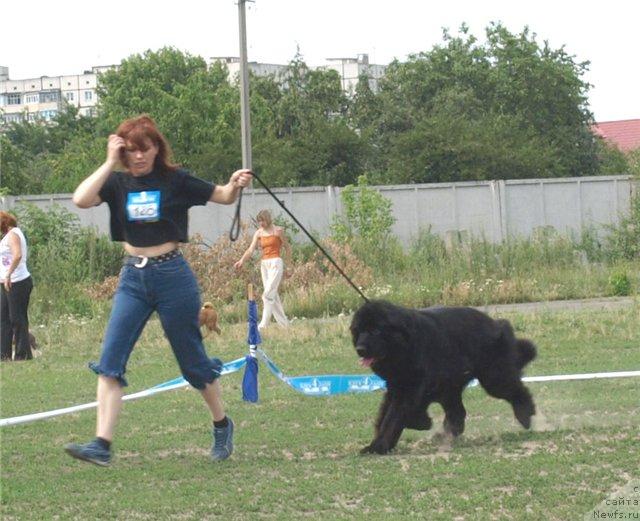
241, 178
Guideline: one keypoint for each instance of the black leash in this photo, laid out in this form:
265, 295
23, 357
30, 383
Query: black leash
236, 223
234, 232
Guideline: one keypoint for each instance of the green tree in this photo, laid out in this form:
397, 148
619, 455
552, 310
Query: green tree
36, 156
508, 108
308, 140
37, 137
612, 161
633, 160
13, 161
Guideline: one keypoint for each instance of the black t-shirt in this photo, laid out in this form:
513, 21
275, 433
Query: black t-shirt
153, 209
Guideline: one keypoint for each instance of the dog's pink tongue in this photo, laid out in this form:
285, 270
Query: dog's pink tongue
366, 362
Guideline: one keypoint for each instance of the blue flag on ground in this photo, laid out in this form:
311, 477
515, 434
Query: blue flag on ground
250, 378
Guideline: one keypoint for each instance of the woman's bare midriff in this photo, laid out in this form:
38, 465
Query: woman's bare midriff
150, 251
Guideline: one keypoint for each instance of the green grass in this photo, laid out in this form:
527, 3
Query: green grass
297, 457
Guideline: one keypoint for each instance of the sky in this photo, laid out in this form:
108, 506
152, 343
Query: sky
53, 38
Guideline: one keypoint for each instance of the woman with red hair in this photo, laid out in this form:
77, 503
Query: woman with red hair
148, 202
15, 292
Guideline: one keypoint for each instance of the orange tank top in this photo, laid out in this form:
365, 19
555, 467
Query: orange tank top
270, 245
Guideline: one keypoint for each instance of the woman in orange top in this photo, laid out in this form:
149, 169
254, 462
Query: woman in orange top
272, 239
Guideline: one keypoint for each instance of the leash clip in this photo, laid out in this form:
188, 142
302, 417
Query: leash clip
143, 261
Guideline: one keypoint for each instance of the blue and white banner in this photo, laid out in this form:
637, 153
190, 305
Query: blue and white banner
325, 385
229, 367
313, 385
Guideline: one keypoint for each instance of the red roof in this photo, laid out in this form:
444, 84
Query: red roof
624, 134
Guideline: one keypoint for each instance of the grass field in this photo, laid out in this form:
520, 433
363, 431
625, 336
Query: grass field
297, 457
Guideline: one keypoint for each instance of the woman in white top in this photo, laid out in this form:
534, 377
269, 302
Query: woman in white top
16, 290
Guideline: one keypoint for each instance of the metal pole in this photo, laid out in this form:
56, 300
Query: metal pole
245, 122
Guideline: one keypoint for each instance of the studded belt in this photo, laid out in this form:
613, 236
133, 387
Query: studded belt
140, 261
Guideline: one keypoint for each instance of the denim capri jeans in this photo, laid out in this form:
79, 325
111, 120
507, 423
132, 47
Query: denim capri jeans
171, 289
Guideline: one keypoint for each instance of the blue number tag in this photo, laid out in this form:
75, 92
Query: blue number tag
143, 206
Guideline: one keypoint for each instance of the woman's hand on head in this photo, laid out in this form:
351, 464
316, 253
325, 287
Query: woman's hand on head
241, 178
115, 146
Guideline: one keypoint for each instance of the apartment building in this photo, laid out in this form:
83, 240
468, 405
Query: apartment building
42, 98
259, 69
349, 69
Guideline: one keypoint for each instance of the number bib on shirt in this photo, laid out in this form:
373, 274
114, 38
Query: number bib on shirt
143, 206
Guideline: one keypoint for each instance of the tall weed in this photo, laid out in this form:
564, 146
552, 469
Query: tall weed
624, 240
75, 269
62, 257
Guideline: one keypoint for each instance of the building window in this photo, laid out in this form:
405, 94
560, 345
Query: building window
13, 118
48, 97
69, 96
13, 99
31, 98
47, 115
88, 95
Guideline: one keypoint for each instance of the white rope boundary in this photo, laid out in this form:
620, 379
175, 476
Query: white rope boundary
68, 410
568, 377
155, 390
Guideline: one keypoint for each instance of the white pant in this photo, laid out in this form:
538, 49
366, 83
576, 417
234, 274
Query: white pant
272, 271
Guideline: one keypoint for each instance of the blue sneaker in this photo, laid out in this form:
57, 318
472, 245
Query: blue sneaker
222, 442
91, 452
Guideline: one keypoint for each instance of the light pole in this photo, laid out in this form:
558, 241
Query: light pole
245, 120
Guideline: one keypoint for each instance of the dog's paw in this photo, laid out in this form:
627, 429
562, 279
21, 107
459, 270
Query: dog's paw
443, 438
453, 429
523, 413
375, 448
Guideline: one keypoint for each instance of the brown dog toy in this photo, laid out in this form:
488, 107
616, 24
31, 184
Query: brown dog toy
209, 318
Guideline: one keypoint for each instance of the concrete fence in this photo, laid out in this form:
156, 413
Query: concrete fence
494, 210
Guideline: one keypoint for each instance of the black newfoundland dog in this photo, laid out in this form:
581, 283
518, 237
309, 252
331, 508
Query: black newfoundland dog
430, 355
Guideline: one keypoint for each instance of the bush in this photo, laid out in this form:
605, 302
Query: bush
367, 215
624, 240
62, 252
620, 284
64, 257
366, 225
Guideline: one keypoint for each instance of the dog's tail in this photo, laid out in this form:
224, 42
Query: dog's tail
525, 352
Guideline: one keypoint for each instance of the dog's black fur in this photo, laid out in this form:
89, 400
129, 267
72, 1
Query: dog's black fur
430, 355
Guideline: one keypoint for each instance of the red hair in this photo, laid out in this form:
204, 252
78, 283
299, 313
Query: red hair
7, 221
142, 129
